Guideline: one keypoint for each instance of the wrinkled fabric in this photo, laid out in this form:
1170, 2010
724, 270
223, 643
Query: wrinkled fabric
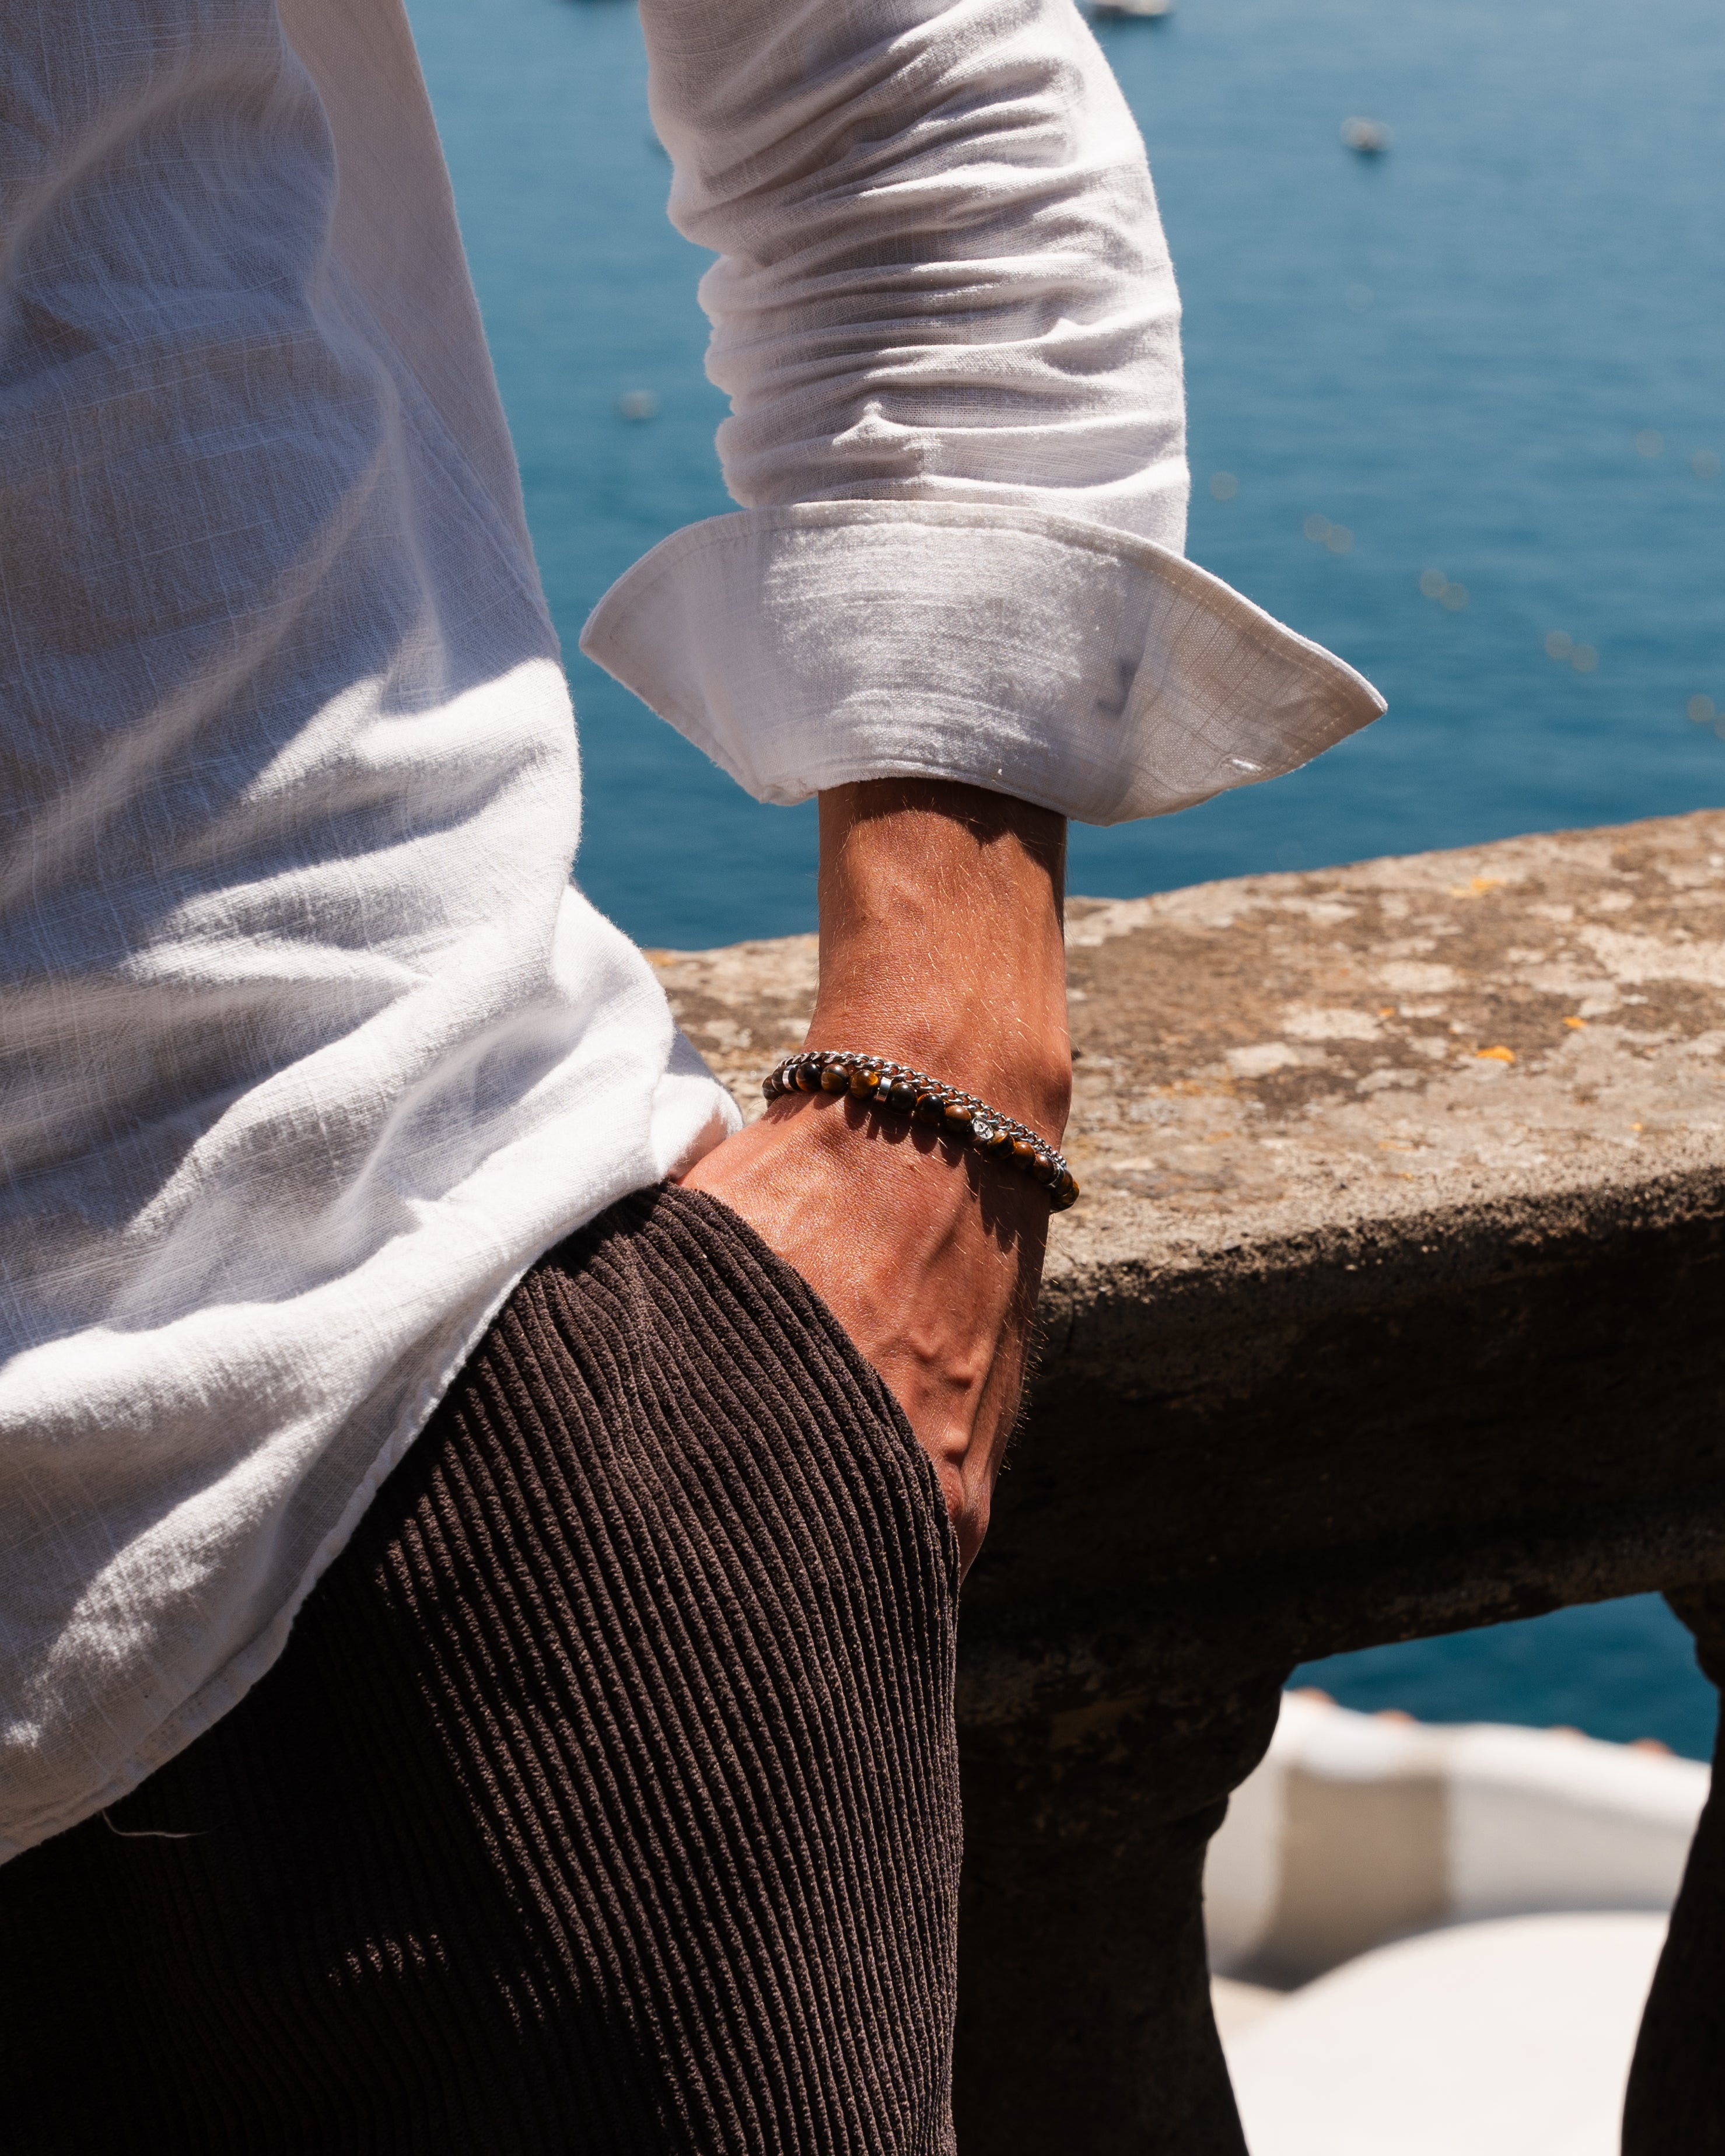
310, 1045
946, 317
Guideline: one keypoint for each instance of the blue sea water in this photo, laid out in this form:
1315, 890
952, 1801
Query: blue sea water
1494, 358
1618, 1670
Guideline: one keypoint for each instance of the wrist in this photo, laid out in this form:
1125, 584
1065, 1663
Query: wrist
897, 1090
1022, 1069
942, 945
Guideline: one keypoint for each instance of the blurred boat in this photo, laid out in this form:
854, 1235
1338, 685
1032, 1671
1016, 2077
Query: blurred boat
1510, 2038
1360, 1829
1365, 138
1438, 1938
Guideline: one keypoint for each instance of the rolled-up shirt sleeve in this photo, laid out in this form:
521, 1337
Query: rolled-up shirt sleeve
945, 314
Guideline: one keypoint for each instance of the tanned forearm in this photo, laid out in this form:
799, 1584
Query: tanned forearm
941, 939
940, 947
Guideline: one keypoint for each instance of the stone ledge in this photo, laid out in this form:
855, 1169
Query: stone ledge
1278, 1055
1392, 1303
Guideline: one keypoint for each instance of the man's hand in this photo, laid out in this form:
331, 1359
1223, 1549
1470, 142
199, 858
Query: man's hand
940, 947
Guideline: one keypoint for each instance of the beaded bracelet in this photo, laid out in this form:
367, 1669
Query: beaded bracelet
955, 1114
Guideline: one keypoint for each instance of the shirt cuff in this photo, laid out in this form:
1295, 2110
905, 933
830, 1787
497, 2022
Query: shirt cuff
1037, 654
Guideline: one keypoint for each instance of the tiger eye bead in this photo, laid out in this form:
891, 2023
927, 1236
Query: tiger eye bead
834, 1080
1023, 1151
1042, 1168
957, 1116
930, 1108
904, 1096
864, 1082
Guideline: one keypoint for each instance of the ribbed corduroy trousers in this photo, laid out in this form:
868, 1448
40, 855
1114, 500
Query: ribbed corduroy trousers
604, 1799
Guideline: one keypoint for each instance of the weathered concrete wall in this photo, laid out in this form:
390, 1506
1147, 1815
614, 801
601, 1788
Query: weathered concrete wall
1290, 1054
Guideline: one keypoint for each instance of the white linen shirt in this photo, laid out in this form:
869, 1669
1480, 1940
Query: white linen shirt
308, 1044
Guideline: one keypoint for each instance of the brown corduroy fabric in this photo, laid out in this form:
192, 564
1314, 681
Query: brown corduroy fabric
605, 1798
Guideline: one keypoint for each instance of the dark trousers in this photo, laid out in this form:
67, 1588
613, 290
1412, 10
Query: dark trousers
605, 1797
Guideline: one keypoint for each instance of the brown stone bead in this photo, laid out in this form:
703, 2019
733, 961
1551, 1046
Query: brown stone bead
1044, 1168
1023, 1150
957, 1116
930, 1108
864, 1082
833, 1079
807, 1079
904, 1095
